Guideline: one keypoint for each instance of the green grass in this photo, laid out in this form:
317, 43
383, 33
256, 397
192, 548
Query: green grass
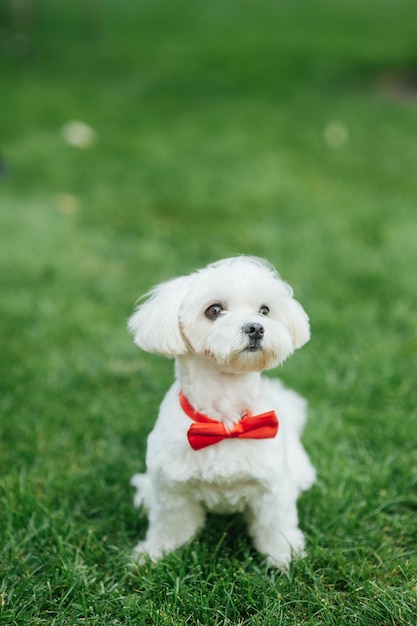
211, 122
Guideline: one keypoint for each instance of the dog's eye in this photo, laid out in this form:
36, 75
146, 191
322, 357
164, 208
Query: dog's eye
264, 310
213, 311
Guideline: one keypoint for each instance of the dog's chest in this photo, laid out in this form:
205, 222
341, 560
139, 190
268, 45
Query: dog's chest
226, 477
225, 496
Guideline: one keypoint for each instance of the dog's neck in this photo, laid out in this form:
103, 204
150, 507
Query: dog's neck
221, 396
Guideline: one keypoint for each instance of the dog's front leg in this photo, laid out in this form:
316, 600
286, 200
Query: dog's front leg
174, 519
273, 526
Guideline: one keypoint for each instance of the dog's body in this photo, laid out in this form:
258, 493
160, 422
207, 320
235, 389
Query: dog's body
224, 324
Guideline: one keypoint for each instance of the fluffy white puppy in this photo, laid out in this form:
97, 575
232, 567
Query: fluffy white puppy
216, 445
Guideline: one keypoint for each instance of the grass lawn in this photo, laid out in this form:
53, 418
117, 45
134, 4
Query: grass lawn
285, 129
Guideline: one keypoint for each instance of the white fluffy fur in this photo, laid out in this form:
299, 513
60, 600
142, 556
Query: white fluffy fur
221, 378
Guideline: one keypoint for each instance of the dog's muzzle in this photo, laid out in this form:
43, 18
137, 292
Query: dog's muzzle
255, 332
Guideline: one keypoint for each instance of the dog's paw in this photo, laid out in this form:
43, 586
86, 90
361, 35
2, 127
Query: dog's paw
296, 542
290, 547
143, 487
144, 553
281, 561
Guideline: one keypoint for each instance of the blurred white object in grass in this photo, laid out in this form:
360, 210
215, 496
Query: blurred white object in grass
78, 134
336, 135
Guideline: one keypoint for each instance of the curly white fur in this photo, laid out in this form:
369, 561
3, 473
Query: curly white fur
219, 359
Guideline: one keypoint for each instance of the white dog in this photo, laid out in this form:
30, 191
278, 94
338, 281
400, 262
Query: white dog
216, 445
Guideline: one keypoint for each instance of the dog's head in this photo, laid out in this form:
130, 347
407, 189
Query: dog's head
237, 313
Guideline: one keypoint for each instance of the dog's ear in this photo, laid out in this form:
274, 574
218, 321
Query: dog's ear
297, 323
294, 318
155, 323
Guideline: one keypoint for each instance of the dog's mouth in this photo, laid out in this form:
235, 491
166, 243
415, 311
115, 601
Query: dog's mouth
253, 347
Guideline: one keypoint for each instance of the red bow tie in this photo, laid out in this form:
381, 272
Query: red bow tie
206, 431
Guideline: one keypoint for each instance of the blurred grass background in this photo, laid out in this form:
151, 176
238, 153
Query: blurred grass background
285, 129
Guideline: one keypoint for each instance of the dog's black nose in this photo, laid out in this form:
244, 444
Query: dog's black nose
254, 330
